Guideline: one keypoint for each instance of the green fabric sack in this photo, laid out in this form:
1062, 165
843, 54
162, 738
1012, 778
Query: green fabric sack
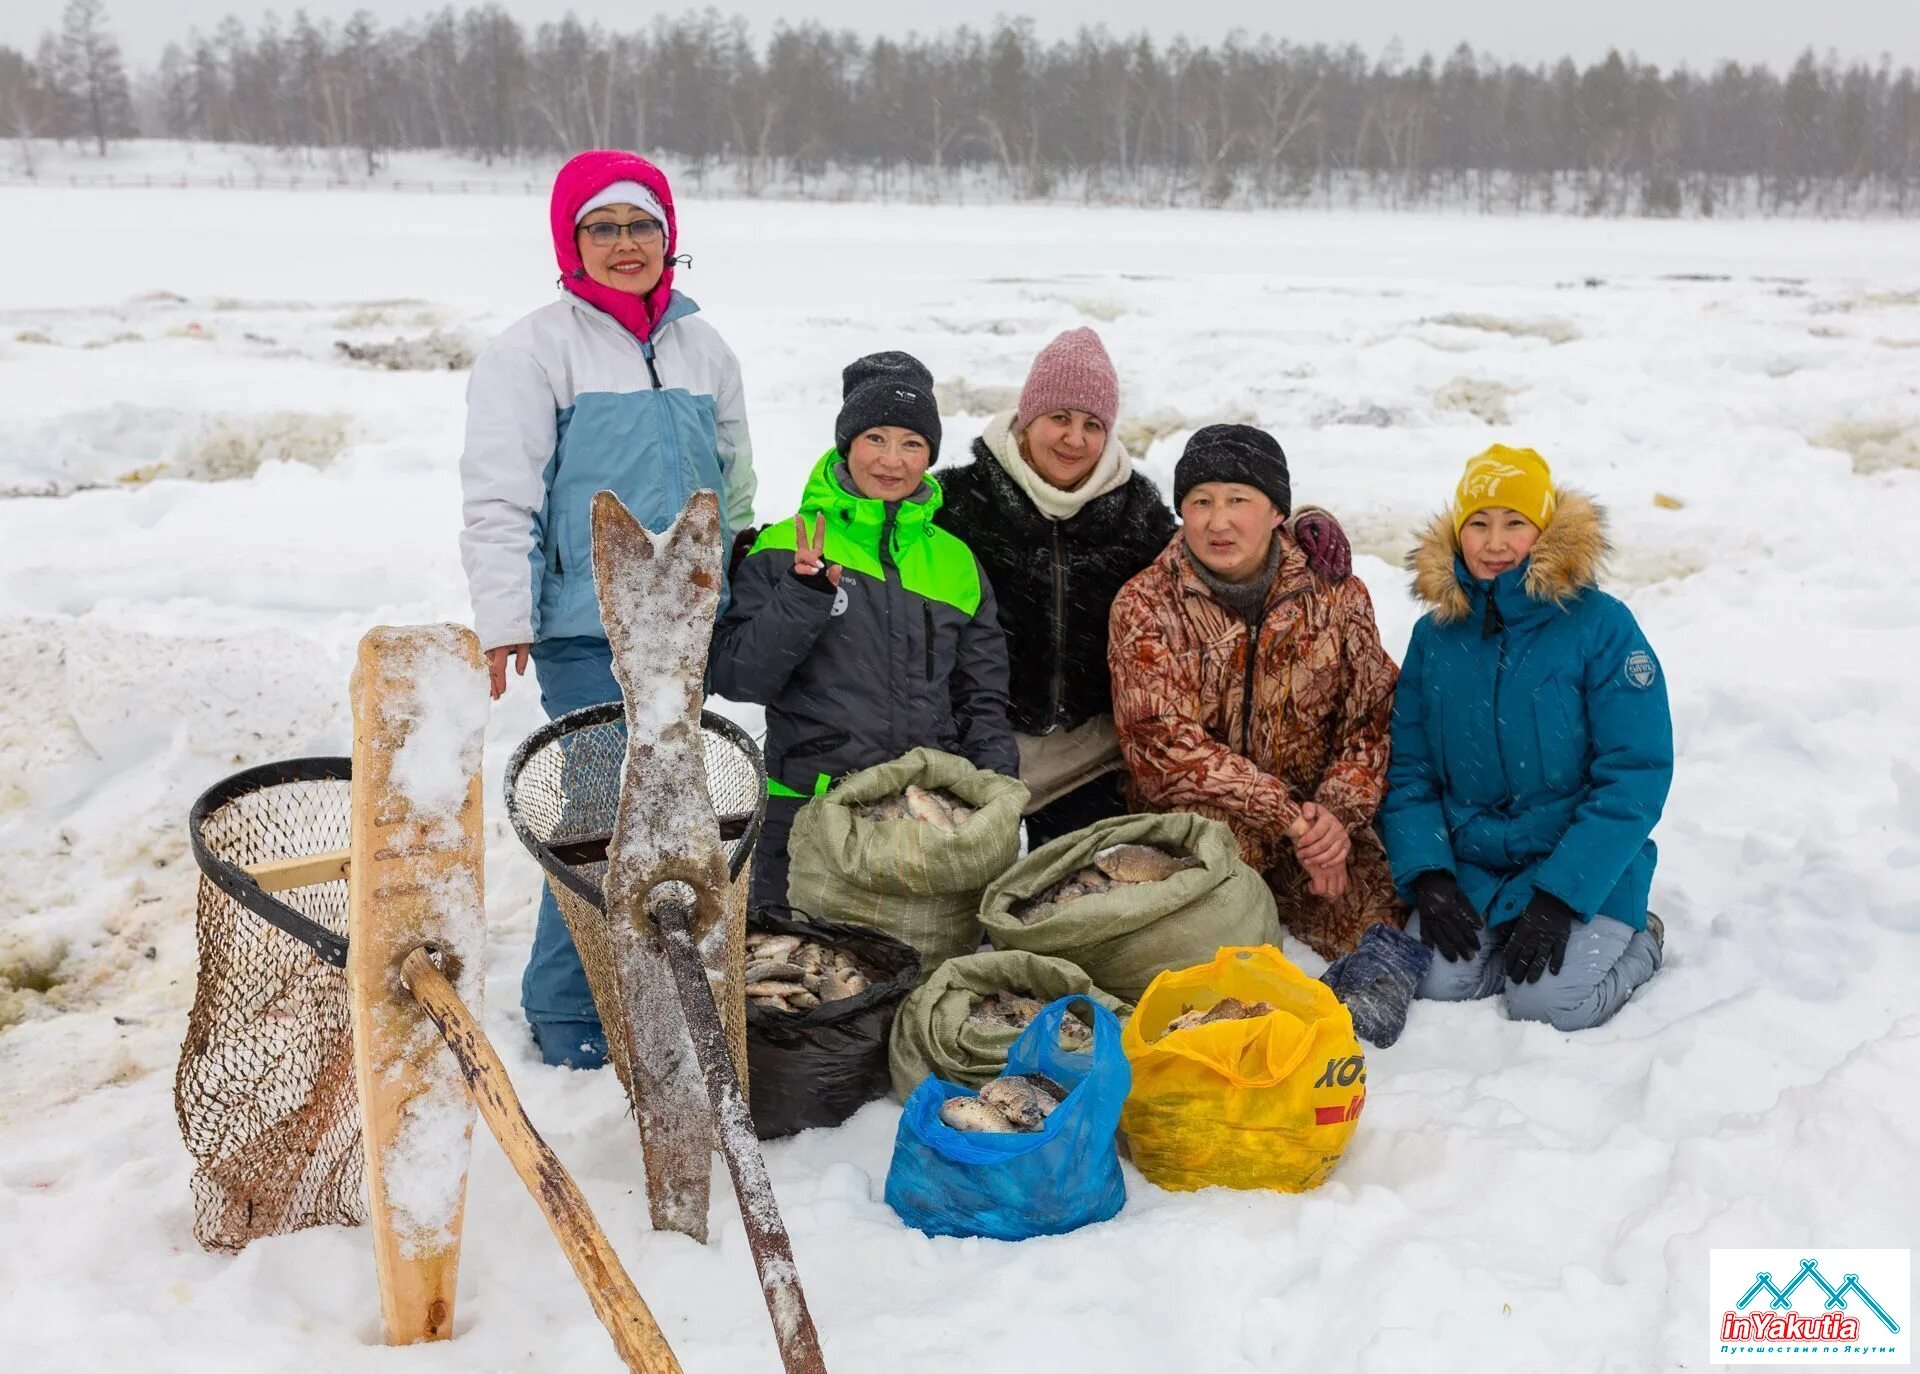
908, 878
931, 1033
1124, 937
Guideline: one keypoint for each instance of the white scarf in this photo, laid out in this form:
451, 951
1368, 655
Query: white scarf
1110, 471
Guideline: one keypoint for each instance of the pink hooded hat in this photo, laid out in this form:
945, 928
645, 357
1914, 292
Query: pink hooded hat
584, 177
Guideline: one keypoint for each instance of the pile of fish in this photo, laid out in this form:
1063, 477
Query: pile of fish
1016, 1011
1226, 1009
787, 973
937, 807
1117, 866
1014, 1102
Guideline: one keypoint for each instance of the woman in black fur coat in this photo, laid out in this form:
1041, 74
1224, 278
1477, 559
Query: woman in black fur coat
1054, 511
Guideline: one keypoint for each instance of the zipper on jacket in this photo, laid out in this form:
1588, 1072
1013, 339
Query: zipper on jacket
1496, 626
1253, 654
1059, 630
926, 610
886, 540
670, 436
645, 345
1246, 686
888, 568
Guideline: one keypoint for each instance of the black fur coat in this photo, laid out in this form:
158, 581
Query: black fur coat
1055, 581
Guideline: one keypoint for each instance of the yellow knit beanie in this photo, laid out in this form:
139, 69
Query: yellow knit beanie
1514, 478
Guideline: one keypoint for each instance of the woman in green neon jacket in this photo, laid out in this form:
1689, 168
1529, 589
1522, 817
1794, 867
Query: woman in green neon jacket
864, 629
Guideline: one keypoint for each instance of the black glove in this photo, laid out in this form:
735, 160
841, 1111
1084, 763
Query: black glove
818, 581
1448, 923
742, 544
1539, 941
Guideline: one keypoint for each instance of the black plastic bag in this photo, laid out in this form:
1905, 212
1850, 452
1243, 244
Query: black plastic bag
819, 1067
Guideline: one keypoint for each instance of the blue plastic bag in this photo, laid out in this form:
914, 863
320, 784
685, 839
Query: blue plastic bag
1009, 1187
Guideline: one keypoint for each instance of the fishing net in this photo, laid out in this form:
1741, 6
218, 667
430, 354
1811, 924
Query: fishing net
562, 787
265, 1090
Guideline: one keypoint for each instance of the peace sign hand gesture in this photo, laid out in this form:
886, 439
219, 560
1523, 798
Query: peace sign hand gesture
809, 556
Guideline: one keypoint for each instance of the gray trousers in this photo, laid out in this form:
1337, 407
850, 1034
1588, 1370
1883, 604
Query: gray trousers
1606, 960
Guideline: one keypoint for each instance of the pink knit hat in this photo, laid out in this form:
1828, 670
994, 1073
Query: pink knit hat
1071, 373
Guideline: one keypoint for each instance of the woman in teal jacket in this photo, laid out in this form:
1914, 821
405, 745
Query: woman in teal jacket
1532, 753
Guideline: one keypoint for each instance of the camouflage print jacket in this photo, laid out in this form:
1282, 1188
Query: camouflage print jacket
1203, 729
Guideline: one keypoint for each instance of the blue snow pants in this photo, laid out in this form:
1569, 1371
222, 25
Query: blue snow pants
572, 673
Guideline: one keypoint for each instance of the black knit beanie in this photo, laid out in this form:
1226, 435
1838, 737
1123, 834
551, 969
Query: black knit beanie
1234, 453
886, 389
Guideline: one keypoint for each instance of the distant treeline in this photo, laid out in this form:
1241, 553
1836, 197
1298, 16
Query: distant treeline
1100, 117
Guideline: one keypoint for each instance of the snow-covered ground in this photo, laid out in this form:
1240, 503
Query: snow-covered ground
1745, 398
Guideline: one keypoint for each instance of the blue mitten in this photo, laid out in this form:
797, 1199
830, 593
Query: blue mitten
1377, 981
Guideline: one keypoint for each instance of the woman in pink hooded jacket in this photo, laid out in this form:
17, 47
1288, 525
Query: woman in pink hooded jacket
618, 385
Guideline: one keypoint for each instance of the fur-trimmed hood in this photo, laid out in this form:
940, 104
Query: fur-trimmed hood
1565, 561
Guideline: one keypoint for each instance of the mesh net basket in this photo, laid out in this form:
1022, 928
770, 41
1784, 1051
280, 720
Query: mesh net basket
563, 784
265, 1090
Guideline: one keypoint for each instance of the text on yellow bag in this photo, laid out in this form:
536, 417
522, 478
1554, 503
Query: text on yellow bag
1266, 1102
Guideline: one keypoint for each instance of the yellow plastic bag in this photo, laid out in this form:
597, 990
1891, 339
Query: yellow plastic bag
1267, 1102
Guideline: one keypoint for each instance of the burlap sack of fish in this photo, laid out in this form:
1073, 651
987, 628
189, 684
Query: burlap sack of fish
821, 999
1033, 1153
1127, 898
1246, 1074
961, 1023
885, 849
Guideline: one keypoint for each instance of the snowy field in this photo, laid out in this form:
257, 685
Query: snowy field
1745, 398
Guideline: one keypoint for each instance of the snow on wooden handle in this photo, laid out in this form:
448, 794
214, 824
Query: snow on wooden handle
615, 1300
658, 597
414, 878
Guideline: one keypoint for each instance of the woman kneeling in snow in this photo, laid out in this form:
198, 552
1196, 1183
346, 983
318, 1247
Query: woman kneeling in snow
1532, 752
865, 630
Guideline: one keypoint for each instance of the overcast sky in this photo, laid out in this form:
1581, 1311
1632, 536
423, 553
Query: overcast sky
1698, 32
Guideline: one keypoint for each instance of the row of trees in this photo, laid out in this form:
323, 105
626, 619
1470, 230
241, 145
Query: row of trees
1121, 118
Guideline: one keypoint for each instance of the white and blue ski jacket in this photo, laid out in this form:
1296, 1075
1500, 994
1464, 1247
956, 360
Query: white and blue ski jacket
567, 402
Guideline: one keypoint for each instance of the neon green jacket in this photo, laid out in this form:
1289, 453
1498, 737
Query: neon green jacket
907, 651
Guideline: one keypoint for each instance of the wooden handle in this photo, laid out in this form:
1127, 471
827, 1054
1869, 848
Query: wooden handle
617, 1302
309, 870
793, 1328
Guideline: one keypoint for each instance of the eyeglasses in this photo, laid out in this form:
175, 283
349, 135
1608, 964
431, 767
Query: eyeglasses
605, 234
